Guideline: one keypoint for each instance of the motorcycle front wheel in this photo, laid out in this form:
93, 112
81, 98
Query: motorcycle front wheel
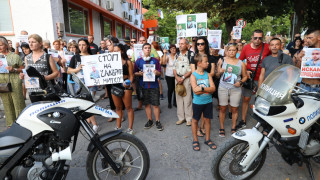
127, 151
225, 163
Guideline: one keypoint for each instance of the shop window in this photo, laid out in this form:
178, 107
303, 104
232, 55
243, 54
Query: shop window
128, 32
107, 28
119, 31
77, 20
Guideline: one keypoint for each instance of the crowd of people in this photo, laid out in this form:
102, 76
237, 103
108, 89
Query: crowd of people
196, 75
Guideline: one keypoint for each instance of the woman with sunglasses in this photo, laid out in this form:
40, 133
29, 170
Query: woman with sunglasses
202, 47
229, 91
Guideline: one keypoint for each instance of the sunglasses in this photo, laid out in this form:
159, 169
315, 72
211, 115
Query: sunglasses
255, 38
133, 41
202, 44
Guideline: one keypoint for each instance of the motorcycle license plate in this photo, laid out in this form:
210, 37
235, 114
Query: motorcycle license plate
304, 136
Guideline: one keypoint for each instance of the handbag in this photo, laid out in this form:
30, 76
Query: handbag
6, 87
249, 84
117, 91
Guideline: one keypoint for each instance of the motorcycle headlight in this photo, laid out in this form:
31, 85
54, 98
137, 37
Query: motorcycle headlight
262, 106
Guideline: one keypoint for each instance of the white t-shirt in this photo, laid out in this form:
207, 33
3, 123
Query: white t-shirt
160, 53
169, 68
129, 52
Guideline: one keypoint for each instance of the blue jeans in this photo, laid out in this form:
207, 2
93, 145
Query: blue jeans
310, 89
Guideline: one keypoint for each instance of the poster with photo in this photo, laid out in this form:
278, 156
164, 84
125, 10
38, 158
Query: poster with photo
68, 55
164, 43
237, 31
188, 25
3, 64
30, 82
214, 38
53, 52
102, 69
230, 74
22, 39
310, 65
148, 73
138, 53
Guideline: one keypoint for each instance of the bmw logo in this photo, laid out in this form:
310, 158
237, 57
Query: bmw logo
302, 120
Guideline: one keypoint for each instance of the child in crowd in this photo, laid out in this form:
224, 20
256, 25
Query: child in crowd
203, 87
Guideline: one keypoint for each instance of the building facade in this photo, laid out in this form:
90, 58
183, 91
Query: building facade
72, 19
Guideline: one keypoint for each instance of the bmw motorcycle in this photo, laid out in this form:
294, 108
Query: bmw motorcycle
37, 145
288, 117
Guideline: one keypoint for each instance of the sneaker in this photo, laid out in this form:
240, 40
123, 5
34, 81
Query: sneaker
188, 123
130, 131
230, 115
149, 124
241, 125
159, 126
180, 122
161, 97
116, 128
96, 128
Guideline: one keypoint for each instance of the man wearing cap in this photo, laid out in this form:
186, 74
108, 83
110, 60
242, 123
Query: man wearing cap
182, 72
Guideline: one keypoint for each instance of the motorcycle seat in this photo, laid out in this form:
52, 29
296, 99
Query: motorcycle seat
15, 135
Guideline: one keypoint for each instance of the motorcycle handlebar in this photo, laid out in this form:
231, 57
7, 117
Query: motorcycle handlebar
40, 93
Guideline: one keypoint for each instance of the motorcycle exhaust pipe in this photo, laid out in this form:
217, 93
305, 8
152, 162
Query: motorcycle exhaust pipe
62, 155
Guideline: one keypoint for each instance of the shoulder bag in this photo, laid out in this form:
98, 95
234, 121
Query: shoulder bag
6, 87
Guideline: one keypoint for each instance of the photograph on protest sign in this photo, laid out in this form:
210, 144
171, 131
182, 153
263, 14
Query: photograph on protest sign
22, 39
181, 31
310, 65
3, 64
230, 74
164, 43
148, 73
237, 31
138, 53
214, 38
187, 25
202, 29
30, 82
53, 52
68, 55
102, 69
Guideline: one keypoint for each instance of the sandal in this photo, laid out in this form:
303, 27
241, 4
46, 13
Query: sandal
196, 146
222, 133
203, 131
233, 130
199, 133
211, 144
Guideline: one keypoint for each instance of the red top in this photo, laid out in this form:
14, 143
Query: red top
252, 57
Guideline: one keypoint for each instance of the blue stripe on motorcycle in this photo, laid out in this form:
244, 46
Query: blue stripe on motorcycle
287, 120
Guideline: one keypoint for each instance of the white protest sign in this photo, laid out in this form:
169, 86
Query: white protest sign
3, 64
102, 69
214, 38
53, 52
30, 82
138, 53
237, 30
68, 55
148, 73
22, 39
310, 65
190, 25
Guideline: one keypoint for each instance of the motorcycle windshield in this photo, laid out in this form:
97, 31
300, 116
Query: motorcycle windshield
278, 86
82, 87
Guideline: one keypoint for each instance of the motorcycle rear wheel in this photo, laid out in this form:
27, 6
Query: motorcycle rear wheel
134, 164
229, 155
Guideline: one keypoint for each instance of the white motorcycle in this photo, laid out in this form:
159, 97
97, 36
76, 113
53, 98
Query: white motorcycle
288, 117
37, 145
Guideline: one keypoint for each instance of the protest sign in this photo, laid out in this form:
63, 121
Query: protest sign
102, 69
190, 25
53, 52
3, 64
22, 39
68, 55
237, 30
164, 42
30, 82
138, 53
310, 65
214, 38
230, 74
148, 73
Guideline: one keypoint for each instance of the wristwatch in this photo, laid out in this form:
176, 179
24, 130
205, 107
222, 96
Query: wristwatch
202, 88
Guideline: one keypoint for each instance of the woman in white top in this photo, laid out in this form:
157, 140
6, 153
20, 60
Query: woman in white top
169, 60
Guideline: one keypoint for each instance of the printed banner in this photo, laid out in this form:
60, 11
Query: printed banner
237, 30
3, 64
230, 74
138, 53
102, 69
68, 55
148, 73
190, 25
310, 65
53, 52
164, 42
214, 38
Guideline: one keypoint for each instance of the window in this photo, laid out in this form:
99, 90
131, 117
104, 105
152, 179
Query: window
78, 20
134, 33
107, 28
128, 32
119, 31
5, 17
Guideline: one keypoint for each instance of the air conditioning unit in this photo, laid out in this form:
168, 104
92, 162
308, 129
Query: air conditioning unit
137, 11
130, 18
136, 22
123, 1
110, 6
130, 6
142, 26
125, 15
